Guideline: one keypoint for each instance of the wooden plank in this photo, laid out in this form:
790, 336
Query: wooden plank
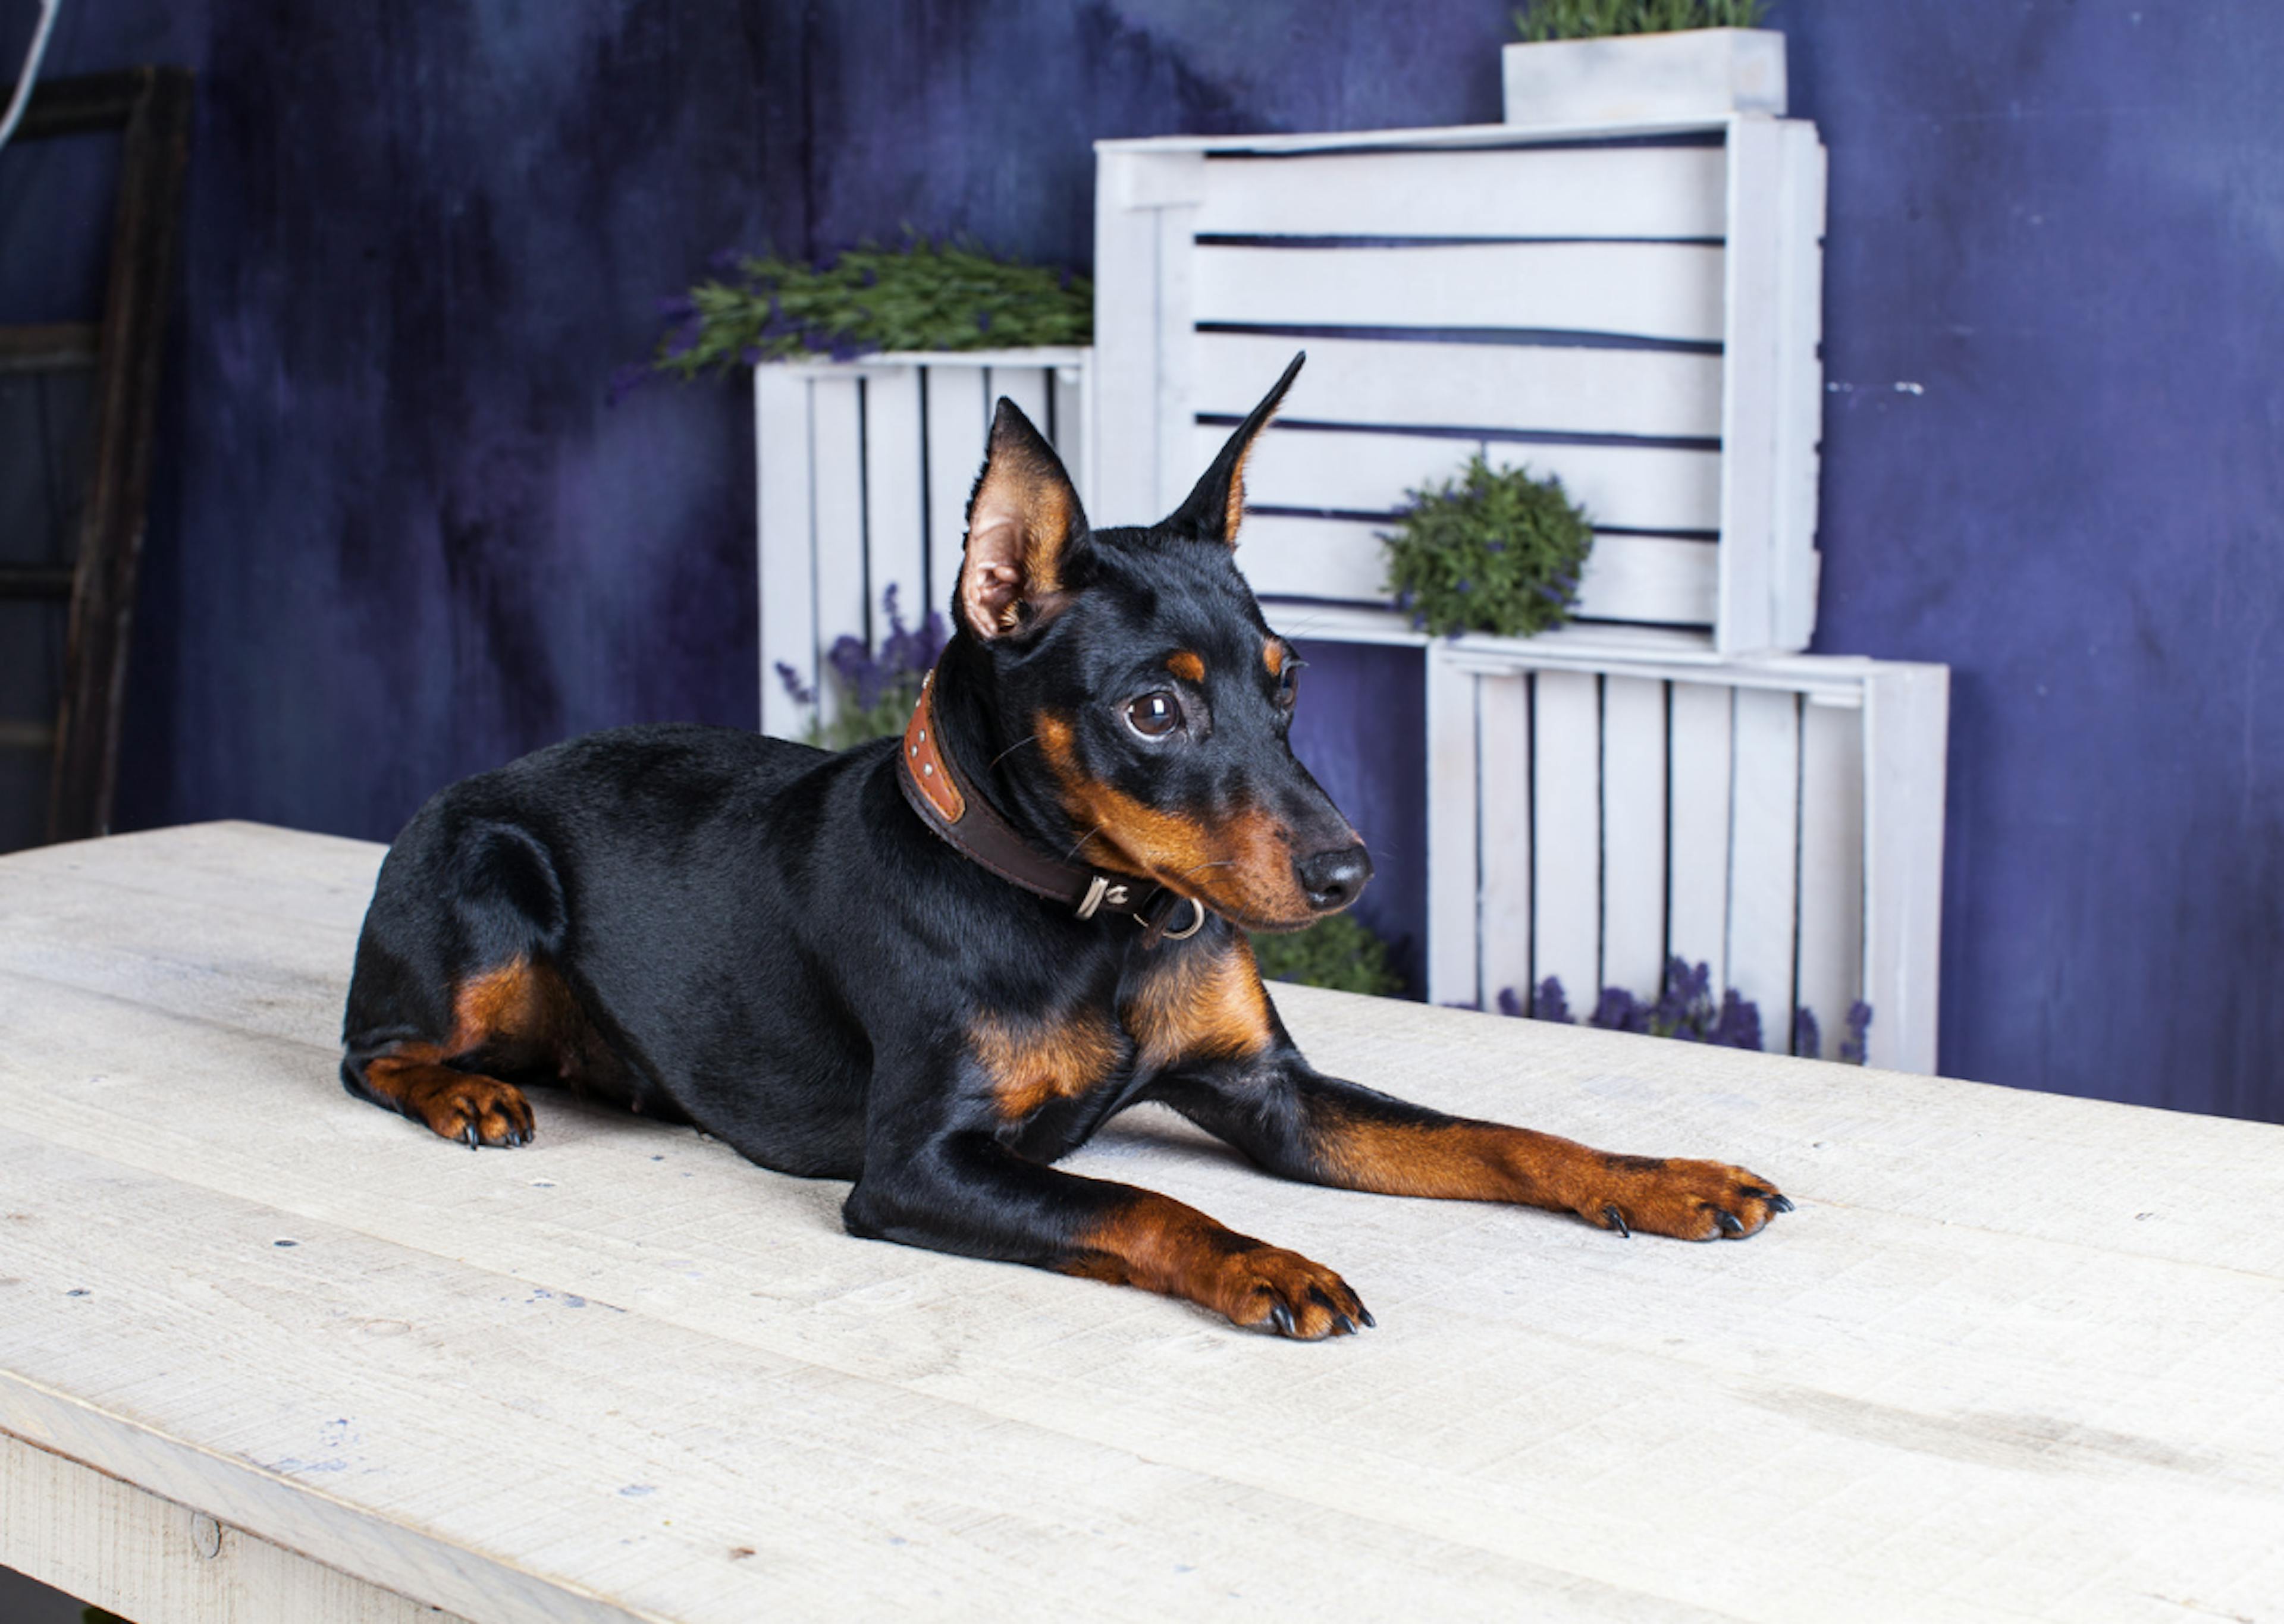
1639, 191
1633, 834
1074, 406
1906, 728
1177, 378
1696, 72
1764, 857
1700, 786
1643, 578
1127, 335
1965, 1255
1503, 822
1668, 291
1453, 851
1749, 392
895, 500
959, 428
1637, 393
142, 1557
787, 563
84, 780
1567, 833
49, 346
1635, 487
1831, 971
844, 607
1799, 403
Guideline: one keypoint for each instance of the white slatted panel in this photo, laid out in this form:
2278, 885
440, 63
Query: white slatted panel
1765, 854
1072, 440
1503, 753
788, 619
1699, 789
1633, 833
1751, 392
1605, 191
1451, 849
1567, 832
1906, 711
1670, 290
1625, 391
958, 427
895, 534
1636, 487
1627, 577
837, 516
1831, 971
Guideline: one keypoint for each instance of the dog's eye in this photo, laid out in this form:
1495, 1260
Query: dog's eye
1154, 716
1289, 683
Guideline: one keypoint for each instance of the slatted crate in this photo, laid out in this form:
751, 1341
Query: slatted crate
1636, 311
1778, 820
864, 473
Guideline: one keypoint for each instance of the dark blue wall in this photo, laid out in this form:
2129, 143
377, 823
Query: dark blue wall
400, 536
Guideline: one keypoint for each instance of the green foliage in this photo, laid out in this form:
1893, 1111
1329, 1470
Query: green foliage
1593, 19
1494, 550
922, 296
1340, 952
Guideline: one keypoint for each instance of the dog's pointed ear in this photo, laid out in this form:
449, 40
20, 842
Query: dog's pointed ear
1023, 518
1213, 510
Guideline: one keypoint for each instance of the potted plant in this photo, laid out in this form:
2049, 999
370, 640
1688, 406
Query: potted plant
1494, 550
1642, 62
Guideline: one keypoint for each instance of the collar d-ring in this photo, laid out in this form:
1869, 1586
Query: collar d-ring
1197, 922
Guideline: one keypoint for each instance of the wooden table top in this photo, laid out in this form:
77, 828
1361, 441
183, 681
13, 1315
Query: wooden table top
2015, 1355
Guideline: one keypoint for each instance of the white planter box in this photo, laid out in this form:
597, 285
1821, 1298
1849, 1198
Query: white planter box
864, 473
1638, 316
1781, 821
1646, 78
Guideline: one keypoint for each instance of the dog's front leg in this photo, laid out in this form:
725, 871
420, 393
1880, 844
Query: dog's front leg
964, 1191
1300, 1123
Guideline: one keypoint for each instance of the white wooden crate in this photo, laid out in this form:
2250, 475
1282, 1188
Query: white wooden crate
864, 474
1636, 310
1778, 820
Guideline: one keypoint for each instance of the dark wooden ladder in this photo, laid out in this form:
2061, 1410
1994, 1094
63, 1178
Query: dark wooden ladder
152, 106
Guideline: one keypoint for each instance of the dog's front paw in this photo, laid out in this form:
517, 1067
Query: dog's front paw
1284, 1291
476, 1111
1690, 1200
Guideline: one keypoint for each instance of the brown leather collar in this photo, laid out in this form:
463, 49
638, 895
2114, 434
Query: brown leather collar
949, 804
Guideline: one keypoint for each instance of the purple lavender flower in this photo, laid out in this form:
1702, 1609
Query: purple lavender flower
1463, 585
1740, 1023
801, 693
752, 354
863, 676
725, 259
1494, 546
1619, 1010
1807, 1038
676, 307
1549, 1003
1859, 1025
1511, 1004
684, 338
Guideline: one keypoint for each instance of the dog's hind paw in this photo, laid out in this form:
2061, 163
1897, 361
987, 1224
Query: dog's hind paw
476, 1111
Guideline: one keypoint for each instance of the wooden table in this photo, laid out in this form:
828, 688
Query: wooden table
269, 1354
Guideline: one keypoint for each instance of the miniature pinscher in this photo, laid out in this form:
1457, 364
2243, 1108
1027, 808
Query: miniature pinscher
934, 966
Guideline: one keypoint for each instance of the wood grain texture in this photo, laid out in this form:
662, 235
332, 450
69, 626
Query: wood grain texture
2011, 1358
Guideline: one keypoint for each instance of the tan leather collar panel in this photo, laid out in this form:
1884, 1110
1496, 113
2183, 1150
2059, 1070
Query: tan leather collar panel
924, 760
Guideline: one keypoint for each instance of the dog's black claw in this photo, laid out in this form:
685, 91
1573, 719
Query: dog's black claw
1780, 1204
1727, 1221
469, 1134
1364, 1314
1347, 1326
1281, 1316
1618, 1221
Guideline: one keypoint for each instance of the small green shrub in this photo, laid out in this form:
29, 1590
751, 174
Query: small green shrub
1340, 952
1494, 550
922, 296
1592, 20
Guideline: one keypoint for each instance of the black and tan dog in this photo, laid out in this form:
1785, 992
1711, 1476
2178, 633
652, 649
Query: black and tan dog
935, 966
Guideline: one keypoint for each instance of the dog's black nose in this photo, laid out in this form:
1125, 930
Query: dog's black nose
1332, 880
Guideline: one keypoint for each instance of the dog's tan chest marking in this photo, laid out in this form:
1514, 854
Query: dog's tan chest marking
1203, 1004
1032, 1062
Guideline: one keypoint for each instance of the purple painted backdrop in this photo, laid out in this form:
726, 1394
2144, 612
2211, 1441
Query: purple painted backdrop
400, 537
